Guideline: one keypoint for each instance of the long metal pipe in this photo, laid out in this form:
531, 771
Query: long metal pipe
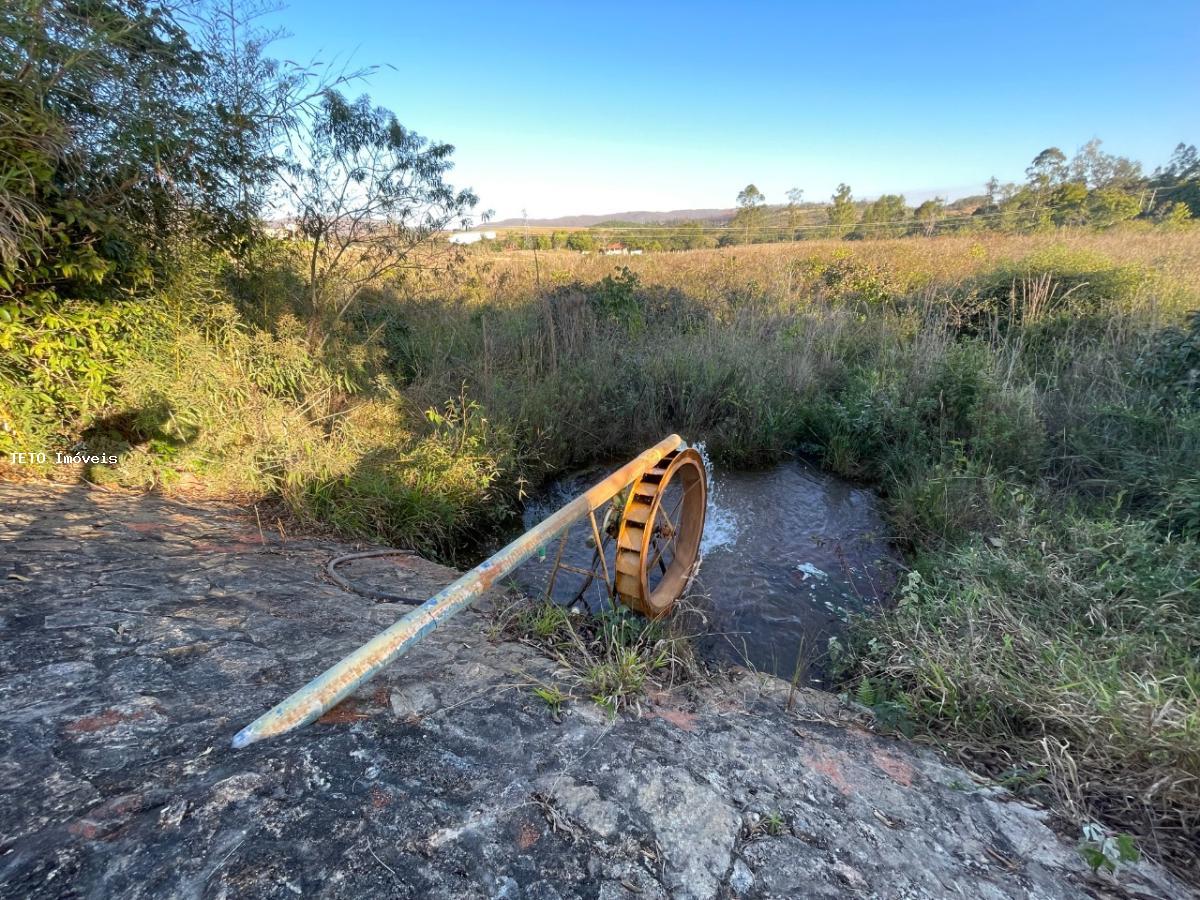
330, 688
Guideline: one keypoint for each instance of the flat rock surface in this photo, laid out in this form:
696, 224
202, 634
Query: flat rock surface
138, 634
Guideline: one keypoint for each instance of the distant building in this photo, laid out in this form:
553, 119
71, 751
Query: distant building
282, 228
472, 237
617, 249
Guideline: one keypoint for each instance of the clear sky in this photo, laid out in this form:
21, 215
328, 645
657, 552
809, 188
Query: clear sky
563, 108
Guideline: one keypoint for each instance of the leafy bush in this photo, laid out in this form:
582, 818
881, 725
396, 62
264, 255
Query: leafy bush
59, 364
616, 298
1170, 364
1053, 282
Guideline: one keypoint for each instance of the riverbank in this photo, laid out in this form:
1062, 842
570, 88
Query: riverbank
1026, 407
140, 633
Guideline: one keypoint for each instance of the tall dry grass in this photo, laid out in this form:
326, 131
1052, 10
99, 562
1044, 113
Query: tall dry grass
1027, 406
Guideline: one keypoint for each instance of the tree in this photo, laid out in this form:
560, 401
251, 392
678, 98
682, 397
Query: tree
95, 107
1046, 173
252, 104
371, 197
992, 191
842, 213
795, 198
1110, 205
885, 217
1173, 215
1069, 202
1097, 169
749, 216
1178, 182
928, 214
1048, 169
127, 128
580, 240
690, 236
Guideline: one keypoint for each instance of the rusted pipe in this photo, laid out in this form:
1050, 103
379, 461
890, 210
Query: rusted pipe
334, 685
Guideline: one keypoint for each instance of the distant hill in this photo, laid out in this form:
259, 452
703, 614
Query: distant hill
637, 217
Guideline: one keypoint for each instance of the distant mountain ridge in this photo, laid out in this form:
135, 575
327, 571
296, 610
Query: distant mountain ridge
637, 217
810, 214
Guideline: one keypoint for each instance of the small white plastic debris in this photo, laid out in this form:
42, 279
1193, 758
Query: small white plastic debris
809, 569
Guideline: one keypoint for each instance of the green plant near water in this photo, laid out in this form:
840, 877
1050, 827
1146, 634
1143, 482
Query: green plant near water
1102, 850
614, 656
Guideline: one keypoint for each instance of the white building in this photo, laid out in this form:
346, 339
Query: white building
472, 237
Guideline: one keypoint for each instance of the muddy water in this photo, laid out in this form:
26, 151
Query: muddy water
788, 553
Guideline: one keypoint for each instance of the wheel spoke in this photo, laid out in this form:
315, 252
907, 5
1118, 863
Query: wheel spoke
682, 497
658, 558
670, 521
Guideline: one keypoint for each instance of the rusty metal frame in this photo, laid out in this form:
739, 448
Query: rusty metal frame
340, 681
600, 552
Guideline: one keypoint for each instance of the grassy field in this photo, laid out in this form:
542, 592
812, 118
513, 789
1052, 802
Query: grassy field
1027, 406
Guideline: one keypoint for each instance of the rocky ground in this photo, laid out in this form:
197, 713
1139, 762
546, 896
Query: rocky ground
137, 635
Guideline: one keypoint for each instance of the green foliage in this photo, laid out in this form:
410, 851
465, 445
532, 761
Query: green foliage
441, 495
749, 217
580, 240
927, 216
1170, 364
1054, 640
842, 212
1054, 283
616, 298
59, 363
1102, 850
848, 279
552, 696
774, 823
101, 100
613, 656
1181, 508
1178, 182
884, 217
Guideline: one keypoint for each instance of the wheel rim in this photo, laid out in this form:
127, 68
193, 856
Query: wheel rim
658, 544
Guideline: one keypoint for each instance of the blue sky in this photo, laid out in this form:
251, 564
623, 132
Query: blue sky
590, 108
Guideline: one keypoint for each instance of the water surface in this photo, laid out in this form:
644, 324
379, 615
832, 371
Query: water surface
788, 553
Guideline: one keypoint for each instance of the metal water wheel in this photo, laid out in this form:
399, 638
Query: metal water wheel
658, 543
658, 552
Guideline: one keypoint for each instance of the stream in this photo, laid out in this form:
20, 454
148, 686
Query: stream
787, 554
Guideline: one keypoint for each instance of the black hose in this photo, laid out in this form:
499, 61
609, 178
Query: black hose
377, 596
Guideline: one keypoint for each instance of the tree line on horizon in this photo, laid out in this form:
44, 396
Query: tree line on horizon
1093, 189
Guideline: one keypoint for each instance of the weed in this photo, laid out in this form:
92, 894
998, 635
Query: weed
1102, 850
552, 696
614, 656
774, 823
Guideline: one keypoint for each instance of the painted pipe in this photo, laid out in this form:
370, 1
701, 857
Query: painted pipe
334, 685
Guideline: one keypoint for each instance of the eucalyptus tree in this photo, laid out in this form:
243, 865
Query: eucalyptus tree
371, 199
842, 213
927, 216
749, 216
885, 217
